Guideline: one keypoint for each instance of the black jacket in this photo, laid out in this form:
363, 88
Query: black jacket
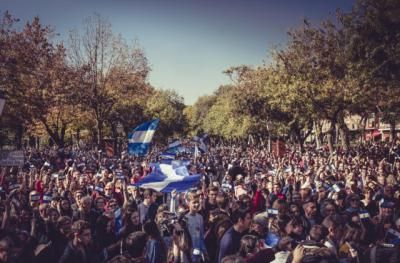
75, 255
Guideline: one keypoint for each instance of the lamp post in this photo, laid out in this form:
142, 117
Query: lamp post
269, 127
120, 130
2, 101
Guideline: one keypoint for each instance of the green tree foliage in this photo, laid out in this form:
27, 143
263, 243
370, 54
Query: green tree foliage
373, 29
196, 114
168, 106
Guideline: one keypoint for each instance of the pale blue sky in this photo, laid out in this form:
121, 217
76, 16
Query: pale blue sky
188, 42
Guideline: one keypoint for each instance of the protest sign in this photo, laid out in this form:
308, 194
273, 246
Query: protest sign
11, 158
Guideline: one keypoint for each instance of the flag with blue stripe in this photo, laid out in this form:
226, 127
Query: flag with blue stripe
167, 177
167, 156
202, 142
139, 141
118, 220
175, 144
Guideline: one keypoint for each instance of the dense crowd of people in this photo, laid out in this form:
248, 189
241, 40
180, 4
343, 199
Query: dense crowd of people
251, 205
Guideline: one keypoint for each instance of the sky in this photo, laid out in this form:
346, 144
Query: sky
189, 43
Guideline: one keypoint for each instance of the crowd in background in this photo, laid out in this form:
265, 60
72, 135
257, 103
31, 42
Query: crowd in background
251, 205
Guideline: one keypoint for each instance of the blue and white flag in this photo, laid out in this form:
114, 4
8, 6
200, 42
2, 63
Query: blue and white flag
196, 152
202, 146
139, 141
167, 177
202, 142
174, 145
167, 156
118, 220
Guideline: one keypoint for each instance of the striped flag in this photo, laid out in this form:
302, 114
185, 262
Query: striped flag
139, 141
165, 178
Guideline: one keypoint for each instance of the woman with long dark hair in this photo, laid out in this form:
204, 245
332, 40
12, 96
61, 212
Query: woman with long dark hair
64, 207
182, 248
131, 223
156, 248
105, 232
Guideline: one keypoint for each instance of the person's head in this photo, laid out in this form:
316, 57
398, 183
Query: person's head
310, 209
260, 225
241, 218
108, 189
86, 203
281, 206
221, 226
105, 225
78, 196
294, 226
134, 218
222, 199
295, 210
334, 224
328, 208
318, 233
276, 188
248, 246
368, 193
232, 259
397, 224
388, 191
82, 233
353, 201
43, 210
149, 196
352, 235
100, 203
64, 224
339, 199
381, 179
151, 229
4, 250
194, 202
286, 243
305, 192
321, 193
53, 215
296, 198
386, 209
112, 205
135, 244
212, 194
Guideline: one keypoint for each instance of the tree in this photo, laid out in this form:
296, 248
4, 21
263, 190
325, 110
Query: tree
196, 114
111, 68
39, 84
167, 106
316, 67
373, 30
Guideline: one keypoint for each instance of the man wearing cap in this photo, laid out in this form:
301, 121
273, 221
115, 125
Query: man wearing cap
386, 212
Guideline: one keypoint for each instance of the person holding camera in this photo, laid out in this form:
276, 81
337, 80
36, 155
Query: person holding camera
182, 248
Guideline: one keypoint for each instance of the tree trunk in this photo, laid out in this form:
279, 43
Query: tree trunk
18, 136
99, 132
393, 136
330, 135
78, 136
318, 134
363, 128
344, 134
